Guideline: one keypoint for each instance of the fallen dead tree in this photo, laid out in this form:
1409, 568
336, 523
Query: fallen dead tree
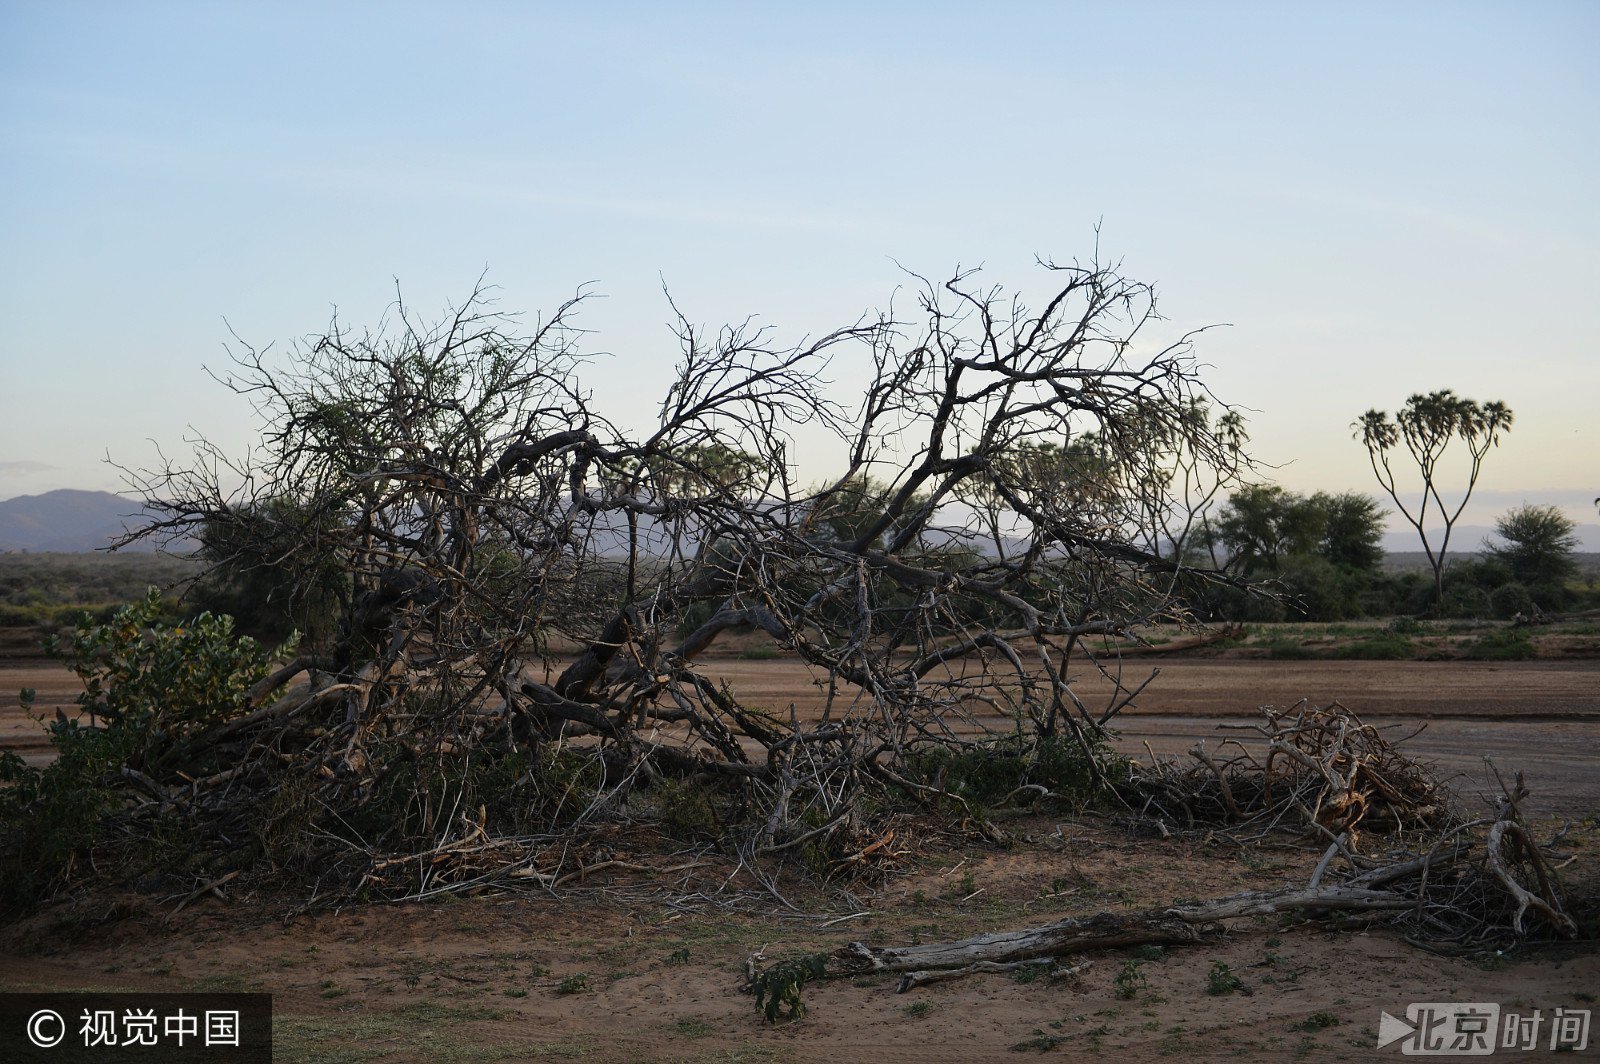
1056, 943
507, 599
1480, 883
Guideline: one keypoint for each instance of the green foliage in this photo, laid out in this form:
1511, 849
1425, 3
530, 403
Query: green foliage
859, 505
687, 811
1221, 980
1264, 525
51, 589
1385, 646
987, 773
573, 984
1508, 600
778, 989
1030, 973
1286, 649
1039, 1043
151, 685
265, 574
1426, 427
148, 689
1508, 644
1352, 533
1130, 980
1319, 555
1318, 1021
1537, 544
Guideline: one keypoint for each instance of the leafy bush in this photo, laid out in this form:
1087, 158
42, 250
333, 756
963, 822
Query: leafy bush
1508, 600
147, 688
152, 685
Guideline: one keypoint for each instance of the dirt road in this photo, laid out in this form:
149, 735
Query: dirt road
1539, 716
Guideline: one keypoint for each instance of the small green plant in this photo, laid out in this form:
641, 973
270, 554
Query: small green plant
1029, 973
919, 1009
694, 1027
516, 992
1039, 1043
1130, 980
1150, 952
678, 956
778, 989
1318, 1021
573, 984
1221, 980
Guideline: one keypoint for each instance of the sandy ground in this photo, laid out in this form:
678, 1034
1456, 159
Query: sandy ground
482, 979
656, 977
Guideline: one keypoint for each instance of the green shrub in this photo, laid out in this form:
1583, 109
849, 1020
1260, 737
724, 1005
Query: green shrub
148, 689
987, 773
1508, 600
1281, 649
154, 685
1382, 647
1507, 644
686, 809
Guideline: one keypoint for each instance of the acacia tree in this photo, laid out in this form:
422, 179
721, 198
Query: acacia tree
1263, 525
1427, 425
1537, 544
526, 583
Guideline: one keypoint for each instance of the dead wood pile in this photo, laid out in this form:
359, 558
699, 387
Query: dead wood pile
1310, 770
1441, 880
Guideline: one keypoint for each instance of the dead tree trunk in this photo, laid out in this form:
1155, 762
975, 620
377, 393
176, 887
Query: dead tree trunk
1097, 932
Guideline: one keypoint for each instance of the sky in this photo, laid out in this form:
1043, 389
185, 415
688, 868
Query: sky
1376, 199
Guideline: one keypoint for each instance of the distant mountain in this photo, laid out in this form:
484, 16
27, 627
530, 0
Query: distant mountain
67, 520
1469, 538
70, 520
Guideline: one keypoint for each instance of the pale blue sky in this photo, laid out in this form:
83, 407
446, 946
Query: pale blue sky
1380, 198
